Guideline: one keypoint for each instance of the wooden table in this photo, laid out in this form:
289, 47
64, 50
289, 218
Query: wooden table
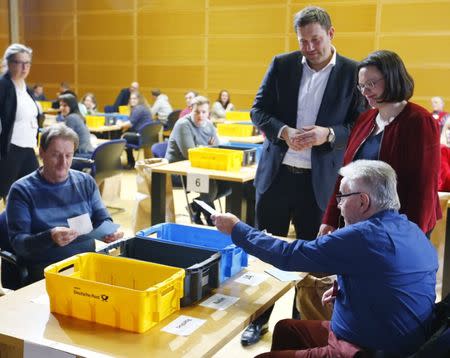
24, 320
240, 202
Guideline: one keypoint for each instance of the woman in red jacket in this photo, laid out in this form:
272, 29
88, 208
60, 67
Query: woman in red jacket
398, 132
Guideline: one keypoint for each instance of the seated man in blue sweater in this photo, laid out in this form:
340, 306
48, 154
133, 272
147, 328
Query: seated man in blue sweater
40, 204
386, 269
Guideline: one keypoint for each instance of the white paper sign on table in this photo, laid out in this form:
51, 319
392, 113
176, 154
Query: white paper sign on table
251, 278
219, 302
82, 224
184, 325
41, 300
198, 183
284, 276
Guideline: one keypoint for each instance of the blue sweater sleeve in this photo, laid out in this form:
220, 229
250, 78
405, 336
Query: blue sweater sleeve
332, 253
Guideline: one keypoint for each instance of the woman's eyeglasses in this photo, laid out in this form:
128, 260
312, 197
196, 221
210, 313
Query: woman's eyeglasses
368, 85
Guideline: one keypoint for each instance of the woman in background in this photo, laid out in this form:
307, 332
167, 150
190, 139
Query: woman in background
398, 132
88, 104
140, 116
222, 105
19, 115
68, 107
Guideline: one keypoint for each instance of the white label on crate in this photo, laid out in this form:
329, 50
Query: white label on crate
33, 350
184, 325
205, 280
198, 183
219, 302
252, 278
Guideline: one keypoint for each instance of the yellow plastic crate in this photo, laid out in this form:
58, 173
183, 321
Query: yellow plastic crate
216, 158
124, 110
45, 105
129, 294
95, 121
237, 116
234, 130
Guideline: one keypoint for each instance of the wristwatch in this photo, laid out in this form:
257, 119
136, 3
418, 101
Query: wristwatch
331, 136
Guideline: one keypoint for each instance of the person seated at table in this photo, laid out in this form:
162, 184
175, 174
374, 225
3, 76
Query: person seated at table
38, 92
161, 107
68, 107
385, 265
88, 104
438, 113
222, 105
193, 130
40, 204
188, 96
123, 97
140, 116
64, 88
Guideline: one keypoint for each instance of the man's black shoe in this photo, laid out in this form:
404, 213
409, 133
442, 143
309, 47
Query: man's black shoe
253, 333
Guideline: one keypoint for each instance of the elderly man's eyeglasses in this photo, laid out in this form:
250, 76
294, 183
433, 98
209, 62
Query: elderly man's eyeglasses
21, 63
340, 196
368, 85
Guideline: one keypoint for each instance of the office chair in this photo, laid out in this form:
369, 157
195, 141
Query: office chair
148, 135
104, 163
171, 119
159, 149
14, 275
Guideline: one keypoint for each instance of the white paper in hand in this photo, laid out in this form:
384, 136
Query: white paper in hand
81, 224
206, 206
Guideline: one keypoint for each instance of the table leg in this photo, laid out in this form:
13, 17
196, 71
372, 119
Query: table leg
241, 202
158, 198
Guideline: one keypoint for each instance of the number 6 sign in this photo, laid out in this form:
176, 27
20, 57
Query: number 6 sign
198, 183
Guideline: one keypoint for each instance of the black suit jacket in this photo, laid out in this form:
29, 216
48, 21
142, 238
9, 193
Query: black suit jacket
276, 105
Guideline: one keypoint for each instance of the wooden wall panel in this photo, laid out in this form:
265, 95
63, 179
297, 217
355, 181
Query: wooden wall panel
106, 24
239, 3
171, 50
170, 23
51, 73
231, 76
48, 6
105, 50
246, 50
53, 26
4, 26
426, 80
159, 5
412, 16
259, 21
102, 5
172, 76
44, 51
105, 75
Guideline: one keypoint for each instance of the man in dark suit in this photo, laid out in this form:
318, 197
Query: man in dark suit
305, 106
122, 98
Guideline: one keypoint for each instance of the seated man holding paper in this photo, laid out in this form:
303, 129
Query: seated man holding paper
55, 212
386, 271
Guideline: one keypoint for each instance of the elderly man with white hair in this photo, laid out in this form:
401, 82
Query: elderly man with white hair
385, 266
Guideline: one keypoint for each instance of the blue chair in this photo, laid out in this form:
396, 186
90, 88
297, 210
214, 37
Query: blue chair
159, 149
147, 136
14, 274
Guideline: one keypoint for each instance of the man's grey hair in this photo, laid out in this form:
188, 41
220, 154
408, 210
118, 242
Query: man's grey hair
59, 130
11, 51
377, 179
311, 15
199, 100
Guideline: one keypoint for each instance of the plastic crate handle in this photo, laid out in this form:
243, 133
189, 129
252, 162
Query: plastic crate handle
155, 229
65, 264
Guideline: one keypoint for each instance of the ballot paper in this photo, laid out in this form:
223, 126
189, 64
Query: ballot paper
205, 206
183, 325
106, 228
284, 276
81, 224
219, 302
251, 278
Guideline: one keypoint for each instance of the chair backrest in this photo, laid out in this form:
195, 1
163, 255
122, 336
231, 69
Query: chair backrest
149, 134
107, 159
172, 118
159, 149
4, 237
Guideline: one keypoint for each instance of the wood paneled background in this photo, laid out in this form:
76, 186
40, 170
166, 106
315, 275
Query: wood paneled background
207, 45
